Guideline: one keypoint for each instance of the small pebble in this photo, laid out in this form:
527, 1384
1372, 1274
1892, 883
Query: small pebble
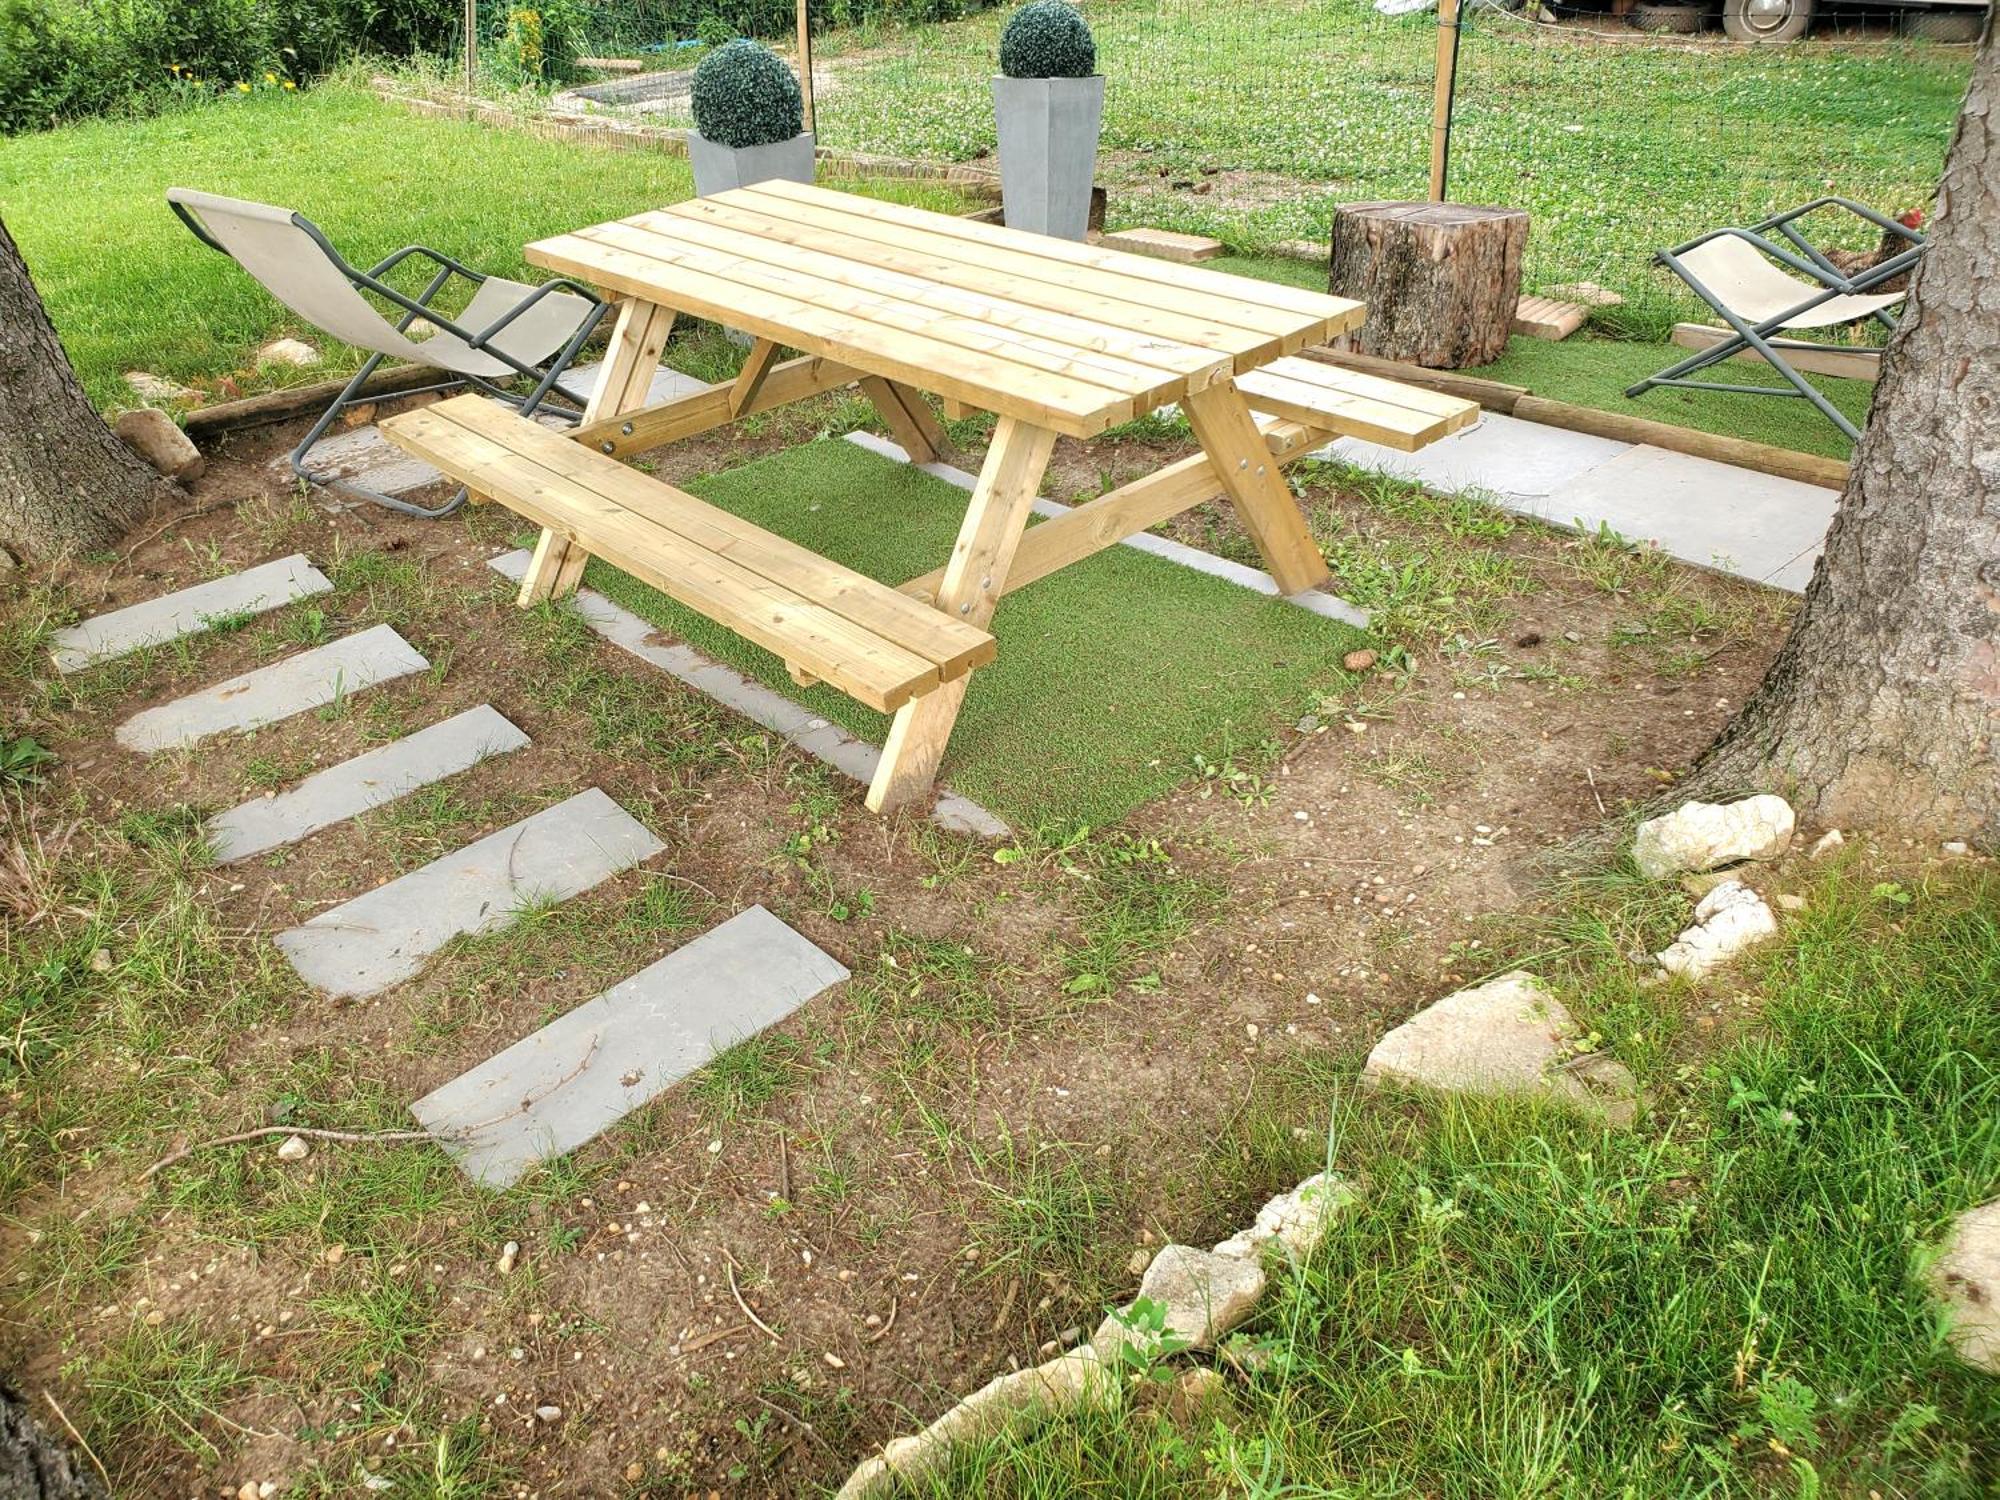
294, 1148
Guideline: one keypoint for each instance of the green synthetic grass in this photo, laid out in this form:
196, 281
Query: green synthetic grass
1723, 1302
128, 288
1113, 674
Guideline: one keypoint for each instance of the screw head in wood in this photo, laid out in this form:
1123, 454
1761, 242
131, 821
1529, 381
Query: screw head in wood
608, 446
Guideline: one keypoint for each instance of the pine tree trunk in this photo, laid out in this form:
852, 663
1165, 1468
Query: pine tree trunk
66, 483
1883, 707
34, 1465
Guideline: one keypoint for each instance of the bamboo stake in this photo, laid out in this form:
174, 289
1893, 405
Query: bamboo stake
806, 64
1441, 106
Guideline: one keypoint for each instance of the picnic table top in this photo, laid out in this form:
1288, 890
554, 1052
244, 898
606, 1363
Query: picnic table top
1063, 335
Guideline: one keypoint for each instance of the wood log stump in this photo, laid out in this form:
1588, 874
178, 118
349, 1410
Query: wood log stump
1441, 280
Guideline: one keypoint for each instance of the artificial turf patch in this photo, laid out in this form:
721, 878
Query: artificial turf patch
1113, 673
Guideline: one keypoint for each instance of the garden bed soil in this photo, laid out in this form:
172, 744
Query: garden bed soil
1041, 1066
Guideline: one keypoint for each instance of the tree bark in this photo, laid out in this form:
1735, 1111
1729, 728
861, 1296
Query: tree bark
1441, 280
66, 482
1883, 707
34, 1465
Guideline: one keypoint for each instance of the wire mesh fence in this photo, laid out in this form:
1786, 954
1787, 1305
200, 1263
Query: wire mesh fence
1252, 122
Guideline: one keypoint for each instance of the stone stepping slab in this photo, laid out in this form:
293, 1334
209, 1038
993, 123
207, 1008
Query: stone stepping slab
560, 1087
307, 680
154, 622
371, 780
382, 938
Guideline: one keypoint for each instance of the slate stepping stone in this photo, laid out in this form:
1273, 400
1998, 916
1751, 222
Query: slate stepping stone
382, 938
153, 622
284, 688
560, 1087
354, 786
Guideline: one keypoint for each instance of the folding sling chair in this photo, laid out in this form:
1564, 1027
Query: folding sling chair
508, 330
1729, 270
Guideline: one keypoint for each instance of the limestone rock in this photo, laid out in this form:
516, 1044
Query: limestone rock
294, 352
293, 1148
1507, 1036
1966, 1279
157, 438
151, 387
1204, 1296
1070, 1380
1829, 841
1729, 919
1705, 835
1297, 1220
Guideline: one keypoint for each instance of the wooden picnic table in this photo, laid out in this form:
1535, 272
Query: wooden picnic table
1053, 337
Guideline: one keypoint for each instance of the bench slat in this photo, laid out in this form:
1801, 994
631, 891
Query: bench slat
952, 645
581, 495
1355, 404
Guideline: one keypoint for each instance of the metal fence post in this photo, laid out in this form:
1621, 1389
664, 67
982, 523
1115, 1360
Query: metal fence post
1445, 95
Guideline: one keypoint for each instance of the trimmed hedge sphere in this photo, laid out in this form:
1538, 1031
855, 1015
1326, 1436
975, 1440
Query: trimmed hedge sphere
744, 95
1047, 39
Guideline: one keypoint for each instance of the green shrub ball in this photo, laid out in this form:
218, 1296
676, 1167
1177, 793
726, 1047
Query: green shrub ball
1047, 39
744, 95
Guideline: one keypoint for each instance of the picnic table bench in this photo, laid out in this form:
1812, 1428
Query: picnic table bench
1055, 338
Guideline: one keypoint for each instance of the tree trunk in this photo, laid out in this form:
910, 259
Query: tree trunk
1883, 707
1441, 280
66, 483
34, 1465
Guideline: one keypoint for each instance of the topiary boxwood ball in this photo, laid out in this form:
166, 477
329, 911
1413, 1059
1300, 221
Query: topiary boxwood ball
1047, 39
744, 95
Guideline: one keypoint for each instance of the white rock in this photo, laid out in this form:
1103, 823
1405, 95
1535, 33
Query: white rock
509, 1253
150, 387
1729, 919
294, 1148
1827, 842
157, 438
1297, 1220
549, 1413
1957, 848
1023, 1397
1704, 835
1203, 1295
1507, 1036
1965, 1278
294, 352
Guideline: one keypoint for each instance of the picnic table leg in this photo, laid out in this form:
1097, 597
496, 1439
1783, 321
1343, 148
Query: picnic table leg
974, 579
624, 383
908, 417
1254, 481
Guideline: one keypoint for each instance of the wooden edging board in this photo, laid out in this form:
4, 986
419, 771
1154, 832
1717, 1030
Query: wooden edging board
1519, 401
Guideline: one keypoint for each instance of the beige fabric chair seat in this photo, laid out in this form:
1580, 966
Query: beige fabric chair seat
293, 266
1757, 290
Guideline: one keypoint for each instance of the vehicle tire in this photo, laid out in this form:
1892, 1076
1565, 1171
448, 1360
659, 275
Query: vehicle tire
1675, 20
1954, 24
1766, 20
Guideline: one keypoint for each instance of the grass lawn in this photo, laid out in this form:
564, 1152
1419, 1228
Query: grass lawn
129, 288
1251, 122
1722, 1302
1084, 716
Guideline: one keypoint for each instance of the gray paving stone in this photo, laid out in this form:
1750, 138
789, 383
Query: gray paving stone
382, 938
1757, 526
153, 622
551, 1092
380, 776
284, 688
1510, 459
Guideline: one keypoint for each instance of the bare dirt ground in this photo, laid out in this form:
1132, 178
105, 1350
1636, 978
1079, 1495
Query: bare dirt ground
1044, 1063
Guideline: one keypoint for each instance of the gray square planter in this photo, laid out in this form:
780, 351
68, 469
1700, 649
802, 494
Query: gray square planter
719, 168
1048, 151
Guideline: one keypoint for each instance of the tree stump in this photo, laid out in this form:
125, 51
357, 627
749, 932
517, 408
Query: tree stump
1441, 280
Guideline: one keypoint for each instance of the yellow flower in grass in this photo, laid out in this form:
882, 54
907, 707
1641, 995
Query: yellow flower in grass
270, 78
289, 85
243, 88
